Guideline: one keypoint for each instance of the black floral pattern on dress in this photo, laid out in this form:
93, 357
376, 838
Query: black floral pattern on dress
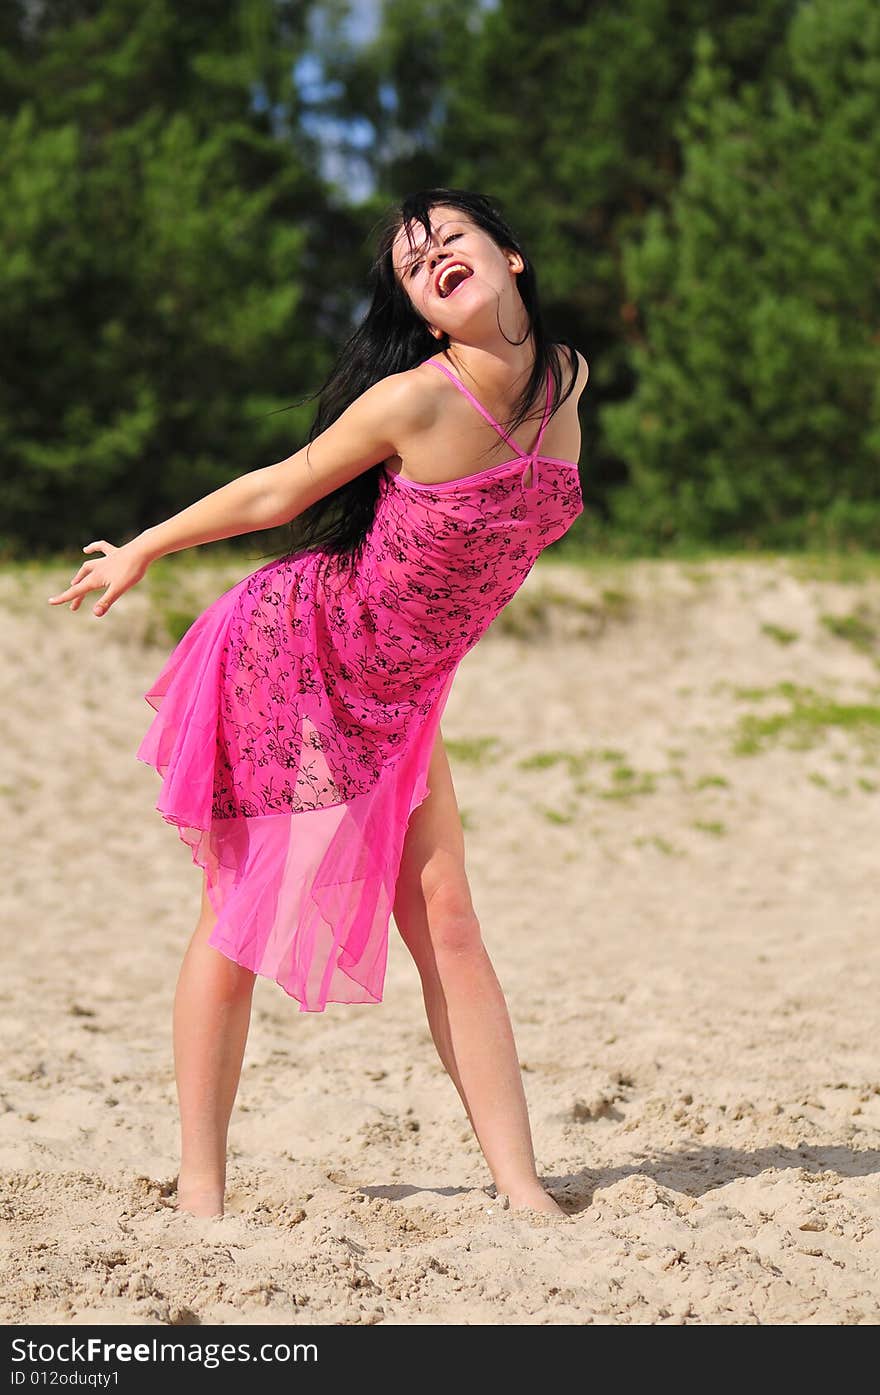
323, 677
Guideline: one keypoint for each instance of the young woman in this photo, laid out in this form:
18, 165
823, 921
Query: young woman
297, 721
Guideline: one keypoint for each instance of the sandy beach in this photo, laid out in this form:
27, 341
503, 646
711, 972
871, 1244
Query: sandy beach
669, 774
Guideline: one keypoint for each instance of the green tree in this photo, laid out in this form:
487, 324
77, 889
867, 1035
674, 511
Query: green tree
756, 416
168, 263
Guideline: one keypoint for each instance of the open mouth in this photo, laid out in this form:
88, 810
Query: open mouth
451, 277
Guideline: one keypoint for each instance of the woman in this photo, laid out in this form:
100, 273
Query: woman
297, 721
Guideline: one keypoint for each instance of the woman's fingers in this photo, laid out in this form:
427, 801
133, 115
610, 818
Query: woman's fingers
77, 589
83, 571
117, 572
106, 600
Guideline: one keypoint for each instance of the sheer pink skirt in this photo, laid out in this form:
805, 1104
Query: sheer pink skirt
302, 898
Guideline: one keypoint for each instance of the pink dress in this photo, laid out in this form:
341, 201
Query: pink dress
295, 719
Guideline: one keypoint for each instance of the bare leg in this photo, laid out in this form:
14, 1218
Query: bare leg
212, 1007
465, 1005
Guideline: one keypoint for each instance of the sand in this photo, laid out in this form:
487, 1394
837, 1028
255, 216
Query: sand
680, 902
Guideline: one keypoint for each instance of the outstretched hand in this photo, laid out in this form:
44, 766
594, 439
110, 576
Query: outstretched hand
119, 570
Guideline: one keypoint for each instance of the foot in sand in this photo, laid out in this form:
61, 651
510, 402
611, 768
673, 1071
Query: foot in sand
531, 1199
199, 1198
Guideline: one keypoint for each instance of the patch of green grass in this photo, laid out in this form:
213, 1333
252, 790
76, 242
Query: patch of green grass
629, 782
697, 575
467, 819
617, 603
542, 759
816, 778
808, 718
172, 607
577, 761
476, 750
167, 622
858, 628
175, 622
556, 816
785, 688
529, 614
751, 694
713, 826
661, 844
706, 780
625, 780
870, 786
843, 567
781, 635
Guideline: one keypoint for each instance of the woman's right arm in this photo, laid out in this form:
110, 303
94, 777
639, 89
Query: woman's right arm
376, 425
367, 432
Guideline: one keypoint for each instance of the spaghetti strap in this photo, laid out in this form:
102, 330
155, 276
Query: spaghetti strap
533, 458
479, 406
544, 420
529, 457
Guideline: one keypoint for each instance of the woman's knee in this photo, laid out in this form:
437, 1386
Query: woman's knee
453, 925
434, 912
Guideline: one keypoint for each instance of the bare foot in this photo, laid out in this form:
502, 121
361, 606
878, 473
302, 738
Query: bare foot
532, 1198
200, 1198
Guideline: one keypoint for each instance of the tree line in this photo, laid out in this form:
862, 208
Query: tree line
695, 181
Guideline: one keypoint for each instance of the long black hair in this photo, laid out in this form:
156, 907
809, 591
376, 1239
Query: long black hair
391, 338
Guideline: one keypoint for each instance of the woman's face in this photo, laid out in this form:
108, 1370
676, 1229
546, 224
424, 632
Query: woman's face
454, 238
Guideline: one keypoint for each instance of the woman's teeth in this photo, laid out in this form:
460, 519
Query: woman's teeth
454, 269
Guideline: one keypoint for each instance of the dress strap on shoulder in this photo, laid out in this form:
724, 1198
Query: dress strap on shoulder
479, 406
525, 455
545, 418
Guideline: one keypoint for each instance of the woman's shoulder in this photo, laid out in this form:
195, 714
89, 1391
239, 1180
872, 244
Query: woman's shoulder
407, 395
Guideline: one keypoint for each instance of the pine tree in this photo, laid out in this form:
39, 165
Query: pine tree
756, 418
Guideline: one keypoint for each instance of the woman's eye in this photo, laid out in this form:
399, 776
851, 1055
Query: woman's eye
450, 238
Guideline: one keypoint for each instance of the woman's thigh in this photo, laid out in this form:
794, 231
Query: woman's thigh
432, 892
